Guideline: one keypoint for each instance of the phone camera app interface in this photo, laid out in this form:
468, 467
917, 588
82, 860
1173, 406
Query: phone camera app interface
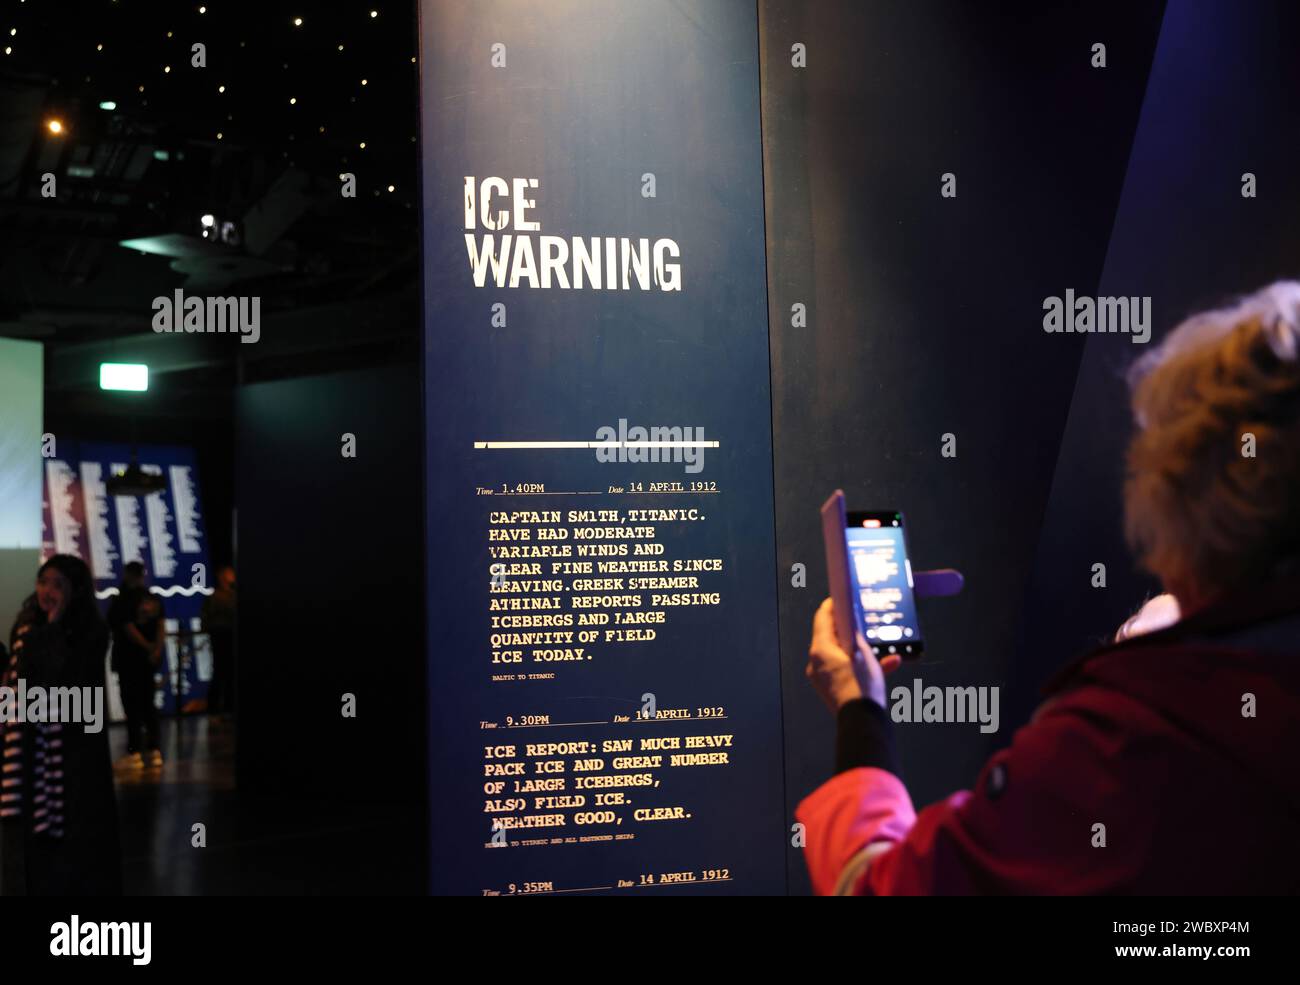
882, 579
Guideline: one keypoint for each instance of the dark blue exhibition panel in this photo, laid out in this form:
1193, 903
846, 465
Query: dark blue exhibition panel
164, 530
605, 712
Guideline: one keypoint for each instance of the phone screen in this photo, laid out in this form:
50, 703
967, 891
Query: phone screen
882, 583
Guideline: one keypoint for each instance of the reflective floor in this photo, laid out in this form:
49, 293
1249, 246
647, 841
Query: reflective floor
253, 844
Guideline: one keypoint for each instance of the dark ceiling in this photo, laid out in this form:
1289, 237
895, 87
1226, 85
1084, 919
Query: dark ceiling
148, 143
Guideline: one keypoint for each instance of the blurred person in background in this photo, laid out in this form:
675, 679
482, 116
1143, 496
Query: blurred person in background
122, 609
58, 817
219, 611
139, 631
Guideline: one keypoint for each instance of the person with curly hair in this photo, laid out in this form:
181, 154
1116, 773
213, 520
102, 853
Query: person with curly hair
1159, 764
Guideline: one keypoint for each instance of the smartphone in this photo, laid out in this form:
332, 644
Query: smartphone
871, 579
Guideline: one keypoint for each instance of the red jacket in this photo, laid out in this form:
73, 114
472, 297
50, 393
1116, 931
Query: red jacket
1148, 738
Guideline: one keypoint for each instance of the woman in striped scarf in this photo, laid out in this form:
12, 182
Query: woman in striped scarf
58, 818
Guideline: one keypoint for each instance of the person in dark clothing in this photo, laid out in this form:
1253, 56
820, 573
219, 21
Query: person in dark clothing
219, 623
136, 618
58, 816
122, 609
1169, 744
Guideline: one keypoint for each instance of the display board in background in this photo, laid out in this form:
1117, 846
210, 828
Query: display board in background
164, 530
605, 711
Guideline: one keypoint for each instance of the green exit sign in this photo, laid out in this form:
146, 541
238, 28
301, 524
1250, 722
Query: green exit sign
124, 376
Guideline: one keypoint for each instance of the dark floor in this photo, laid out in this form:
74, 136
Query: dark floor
254, 844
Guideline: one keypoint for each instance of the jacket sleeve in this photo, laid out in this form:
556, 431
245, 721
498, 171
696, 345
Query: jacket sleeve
1026, 827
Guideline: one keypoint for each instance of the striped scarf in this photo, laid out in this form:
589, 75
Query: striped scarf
47, 762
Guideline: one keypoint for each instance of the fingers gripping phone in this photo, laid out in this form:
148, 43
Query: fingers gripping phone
870, 580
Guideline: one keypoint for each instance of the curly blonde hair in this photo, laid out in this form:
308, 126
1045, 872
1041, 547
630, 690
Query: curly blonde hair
1212, 493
